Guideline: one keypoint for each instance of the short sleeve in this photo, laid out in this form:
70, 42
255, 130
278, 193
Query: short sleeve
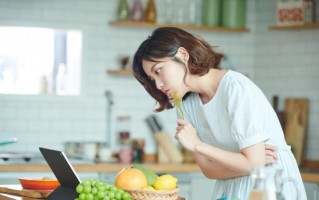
244, 104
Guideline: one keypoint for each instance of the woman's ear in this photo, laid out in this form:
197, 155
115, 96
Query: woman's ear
182, 54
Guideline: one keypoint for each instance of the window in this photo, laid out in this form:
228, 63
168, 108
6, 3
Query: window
40, 61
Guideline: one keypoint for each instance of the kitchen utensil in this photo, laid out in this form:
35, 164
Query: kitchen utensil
39, 183
110, 102
18, 190
296, 110
172, 152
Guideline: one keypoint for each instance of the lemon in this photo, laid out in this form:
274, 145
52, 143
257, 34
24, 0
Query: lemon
165, 182
148, 187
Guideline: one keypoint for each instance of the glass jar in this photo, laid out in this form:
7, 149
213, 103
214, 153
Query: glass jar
123, 126
126, 153
267, 183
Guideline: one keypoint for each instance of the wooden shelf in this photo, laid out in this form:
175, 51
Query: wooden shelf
190, 27
126, 72
294, 27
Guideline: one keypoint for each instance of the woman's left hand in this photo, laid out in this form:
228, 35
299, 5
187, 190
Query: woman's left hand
186, 134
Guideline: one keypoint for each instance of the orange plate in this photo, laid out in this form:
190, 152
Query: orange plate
38, 183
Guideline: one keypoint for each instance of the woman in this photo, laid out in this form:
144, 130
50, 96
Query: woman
229, 124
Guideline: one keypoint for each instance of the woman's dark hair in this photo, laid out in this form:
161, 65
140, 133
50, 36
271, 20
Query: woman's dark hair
165, 42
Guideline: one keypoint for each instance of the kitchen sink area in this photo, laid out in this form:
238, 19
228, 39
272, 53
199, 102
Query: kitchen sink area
13, 158
19, 158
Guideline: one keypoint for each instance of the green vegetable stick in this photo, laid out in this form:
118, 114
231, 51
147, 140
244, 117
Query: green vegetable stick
177, 98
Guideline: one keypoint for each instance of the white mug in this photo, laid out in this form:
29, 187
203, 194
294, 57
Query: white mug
90, 151
105, 154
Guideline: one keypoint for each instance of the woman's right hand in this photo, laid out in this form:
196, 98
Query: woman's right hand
186, 134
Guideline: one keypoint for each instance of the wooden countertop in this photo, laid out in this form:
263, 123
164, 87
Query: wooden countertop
308, 175
105, 167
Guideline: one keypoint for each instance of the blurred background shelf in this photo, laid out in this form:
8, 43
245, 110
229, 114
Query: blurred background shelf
126, 72
294, 27
189, 27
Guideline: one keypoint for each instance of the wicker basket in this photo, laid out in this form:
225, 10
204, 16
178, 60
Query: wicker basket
154, 194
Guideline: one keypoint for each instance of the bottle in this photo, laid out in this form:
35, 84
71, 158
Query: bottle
211, 13
150, 12
44, 85
138, 150
123, 129
123, 11
137, 11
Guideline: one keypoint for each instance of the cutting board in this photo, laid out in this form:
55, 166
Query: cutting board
296, 119
18, 190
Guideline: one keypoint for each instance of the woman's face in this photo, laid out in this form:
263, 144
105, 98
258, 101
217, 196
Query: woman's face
166, 74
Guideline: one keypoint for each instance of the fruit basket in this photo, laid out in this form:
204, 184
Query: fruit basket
154, 194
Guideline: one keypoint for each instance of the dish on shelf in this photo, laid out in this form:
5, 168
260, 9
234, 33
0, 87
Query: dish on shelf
39, 183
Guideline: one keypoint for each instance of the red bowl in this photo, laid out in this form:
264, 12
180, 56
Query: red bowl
39, 183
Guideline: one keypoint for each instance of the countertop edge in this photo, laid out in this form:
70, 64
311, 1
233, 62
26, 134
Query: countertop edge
307, 176
103, 167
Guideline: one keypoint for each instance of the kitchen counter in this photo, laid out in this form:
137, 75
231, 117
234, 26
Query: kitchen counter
16, 192
105, 167
308, 175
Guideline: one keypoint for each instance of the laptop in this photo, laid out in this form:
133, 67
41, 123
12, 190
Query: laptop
64, 172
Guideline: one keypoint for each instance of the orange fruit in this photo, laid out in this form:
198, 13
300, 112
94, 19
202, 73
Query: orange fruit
130, 179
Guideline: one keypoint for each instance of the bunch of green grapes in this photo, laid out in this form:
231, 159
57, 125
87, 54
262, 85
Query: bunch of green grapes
93, 189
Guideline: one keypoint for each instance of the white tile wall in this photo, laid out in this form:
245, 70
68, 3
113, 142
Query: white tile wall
50, 120
286, 63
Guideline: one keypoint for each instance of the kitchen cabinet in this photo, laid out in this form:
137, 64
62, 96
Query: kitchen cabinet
294, 27
201, 187
189, 27
312, 190
194, 185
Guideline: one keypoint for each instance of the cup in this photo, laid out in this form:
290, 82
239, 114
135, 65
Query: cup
126, 155
89, 151
105, 154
